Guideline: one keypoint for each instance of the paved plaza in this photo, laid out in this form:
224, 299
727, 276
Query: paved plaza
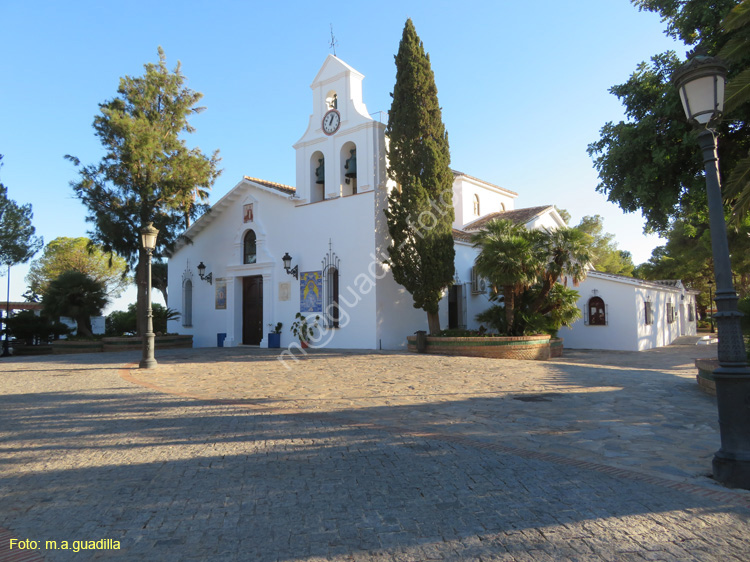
231, 454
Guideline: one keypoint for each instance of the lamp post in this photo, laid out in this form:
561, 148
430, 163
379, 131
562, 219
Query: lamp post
6, 343
711, 305
148, 242
700, 82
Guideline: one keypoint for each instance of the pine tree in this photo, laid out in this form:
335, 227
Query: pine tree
148, 174
17, 241
420, 211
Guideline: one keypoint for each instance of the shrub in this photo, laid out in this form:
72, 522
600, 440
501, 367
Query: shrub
124, 323
30, 329
559, 309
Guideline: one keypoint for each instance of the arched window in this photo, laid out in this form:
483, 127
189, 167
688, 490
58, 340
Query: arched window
332, 297
187, 303
476, 205
597, 312
249, 247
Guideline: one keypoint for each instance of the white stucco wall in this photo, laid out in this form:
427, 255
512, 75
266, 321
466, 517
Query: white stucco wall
550, 221
492, 199
302, 233
620, 331
466, 255
626, 328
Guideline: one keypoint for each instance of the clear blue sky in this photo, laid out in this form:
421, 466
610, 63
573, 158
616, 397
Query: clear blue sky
523, 87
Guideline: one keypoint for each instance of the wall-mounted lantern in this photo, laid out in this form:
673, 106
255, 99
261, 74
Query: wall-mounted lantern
203, 276
294, 272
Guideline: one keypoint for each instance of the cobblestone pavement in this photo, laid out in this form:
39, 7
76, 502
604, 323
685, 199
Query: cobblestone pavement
226, 454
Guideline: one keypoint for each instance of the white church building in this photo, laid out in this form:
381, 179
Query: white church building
228, 277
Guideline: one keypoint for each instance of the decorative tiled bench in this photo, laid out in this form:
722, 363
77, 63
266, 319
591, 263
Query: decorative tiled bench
525, 347
119, 344
705, 377
134, 343
62, 347
555, 347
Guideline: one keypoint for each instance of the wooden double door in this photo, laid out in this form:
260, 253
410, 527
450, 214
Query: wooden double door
252, 310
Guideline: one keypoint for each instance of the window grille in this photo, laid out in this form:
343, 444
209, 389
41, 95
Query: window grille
649, 312
597, 312
187, 303
331, 312
478, 284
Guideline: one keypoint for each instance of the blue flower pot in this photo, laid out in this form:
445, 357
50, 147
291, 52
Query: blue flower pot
274, 341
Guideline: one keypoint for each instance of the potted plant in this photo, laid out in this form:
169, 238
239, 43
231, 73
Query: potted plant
303, 330
274, 336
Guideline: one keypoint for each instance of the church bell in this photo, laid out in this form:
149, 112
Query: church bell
320, 173
351, 165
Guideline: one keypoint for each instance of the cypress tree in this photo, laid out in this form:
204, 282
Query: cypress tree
420, 211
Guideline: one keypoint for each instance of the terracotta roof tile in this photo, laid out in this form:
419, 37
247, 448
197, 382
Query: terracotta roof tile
517, 216
461, 235
273, 185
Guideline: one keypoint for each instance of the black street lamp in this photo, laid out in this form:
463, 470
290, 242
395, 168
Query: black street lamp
701, 85
711, 305
148, 241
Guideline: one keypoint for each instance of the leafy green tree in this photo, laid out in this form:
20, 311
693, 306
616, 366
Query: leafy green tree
650, 161
76, 295
564, 215
690, 21
687, 256
148, 174
420, 210
736, 52
122, 322
604, 253
17, 241
77, 254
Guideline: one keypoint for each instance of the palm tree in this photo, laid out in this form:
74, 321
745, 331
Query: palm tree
525, 265
76, 295
567, 254
512, 259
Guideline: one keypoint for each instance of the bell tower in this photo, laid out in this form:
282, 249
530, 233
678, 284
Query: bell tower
342, 152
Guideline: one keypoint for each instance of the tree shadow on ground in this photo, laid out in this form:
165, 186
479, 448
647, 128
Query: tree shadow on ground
175, 478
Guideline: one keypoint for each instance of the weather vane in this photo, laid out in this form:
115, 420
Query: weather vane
333, 42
